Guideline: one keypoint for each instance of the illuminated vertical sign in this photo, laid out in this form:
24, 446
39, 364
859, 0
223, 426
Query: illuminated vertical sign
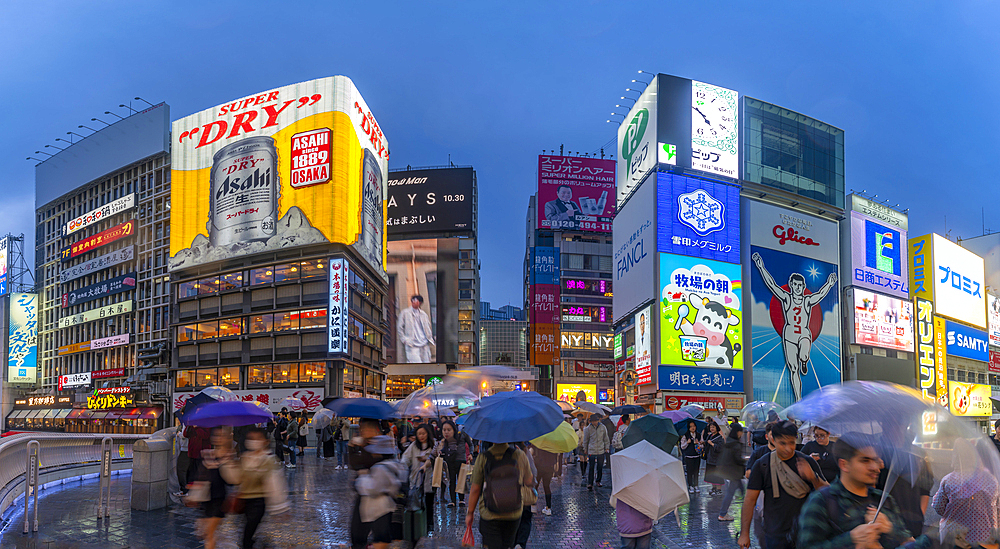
926, 367
22, 355
337, 312
941, 360
4, 260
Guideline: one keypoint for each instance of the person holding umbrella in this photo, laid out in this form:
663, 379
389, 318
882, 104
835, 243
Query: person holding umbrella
786, 477
251, 473
596, 443
692, 443
844, 513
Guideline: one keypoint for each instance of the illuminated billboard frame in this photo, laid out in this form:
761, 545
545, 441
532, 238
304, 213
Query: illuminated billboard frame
882, 321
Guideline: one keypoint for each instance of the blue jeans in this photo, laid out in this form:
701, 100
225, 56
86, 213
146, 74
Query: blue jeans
641, 542
292, 452
341, 452
731, 487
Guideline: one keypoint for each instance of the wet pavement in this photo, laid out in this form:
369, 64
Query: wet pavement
321, 512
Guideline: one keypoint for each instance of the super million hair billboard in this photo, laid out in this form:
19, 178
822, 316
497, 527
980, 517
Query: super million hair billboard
292, 166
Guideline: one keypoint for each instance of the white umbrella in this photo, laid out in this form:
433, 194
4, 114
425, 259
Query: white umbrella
321, 419
648, 479
592, 408
293, 403
221, 394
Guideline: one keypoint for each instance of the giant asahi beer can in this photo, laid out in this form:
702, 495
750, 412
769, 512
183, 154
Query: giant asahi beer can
372, 222
244, 192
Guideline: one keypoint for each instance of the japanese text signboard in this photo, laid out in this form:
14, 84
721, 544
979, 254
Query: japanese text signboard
100, 313
99, 263
430, 201
100, 239
698, 218
22, 350
878, 256
116, 206
709, 380
337, 313
951, 277
110, 286
576, 194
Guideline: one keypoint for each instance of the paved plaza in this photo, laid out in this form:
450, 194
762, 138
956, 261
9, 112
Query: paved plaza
321, 511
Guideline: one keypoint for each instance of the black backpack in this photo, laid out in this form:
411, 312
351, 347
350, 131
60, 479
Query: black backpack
502, 487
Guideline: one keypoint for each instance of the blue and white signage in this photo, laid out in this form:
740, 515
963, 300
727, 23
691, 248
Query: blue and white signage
634, 238
878, 256
544, 265
698, 218
711, 380
967, 342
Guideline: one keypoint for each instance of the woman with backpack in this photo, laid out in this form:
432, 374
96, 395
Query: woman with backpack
453, 449
691, 446
714, 442
419, 460
731, 467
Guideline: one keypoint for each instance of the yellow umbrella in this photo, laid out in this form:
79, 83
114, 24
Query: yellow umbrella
563, 439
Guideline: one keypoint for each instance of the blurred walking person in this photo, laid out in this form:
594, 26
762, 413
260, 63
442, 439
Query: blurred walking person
377, 487
252, 473
419, 460
730, 468
546, 464
212, 459
968, 501
596, 443
454, 448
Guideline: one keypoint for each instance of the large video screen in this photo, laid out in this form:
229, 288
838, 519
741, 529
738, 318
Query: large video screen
883, 321
422, 301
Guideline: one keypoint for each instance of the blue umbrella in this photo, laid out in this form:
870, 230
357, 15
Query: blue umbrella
633, 409
369, 408
193, 404
513, 416
228, 412
682, 425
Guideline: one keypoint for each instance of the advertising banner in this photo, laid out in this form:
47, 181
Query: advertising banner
717, 403
619, 352
22, 349
715, 136
430, 201
707, 380
969, 399
576, 194
567, 392
586, 313
794, 277
100, 239
882, 321
588, 341
105, 374
637, 142
634, 245
993, 322
698, 218
96, 314
921, 265
966, 342
643, 346
4, 260
599, 368
97, 264
116, 206
544, 344
879, 212
312, 398
283, 168
73, 348
545, 303
878, 256
423, 293
941, 360
73, 380
110, 286
700, 313
112, 341
338, 310
544, 265
994, 362
959, 283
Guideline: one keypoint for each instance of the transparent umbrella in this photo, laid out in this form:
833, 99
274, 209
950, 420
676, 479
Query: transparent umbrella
592, 408
322, 418
220, 394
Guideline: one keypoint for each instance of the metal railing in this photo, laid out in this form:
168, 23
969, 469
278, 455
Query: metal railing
58, 456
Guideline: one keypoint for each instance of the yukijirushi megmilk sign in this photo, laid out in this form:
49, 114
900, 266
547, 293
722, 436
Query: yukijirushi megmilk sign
282, 168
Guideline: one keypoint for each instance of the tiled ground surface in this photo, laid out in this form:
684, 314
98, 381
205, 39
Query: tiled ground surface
321, 513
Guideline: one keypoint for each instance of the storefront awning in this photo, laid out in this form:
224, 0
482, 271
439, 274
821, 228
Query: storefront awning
63, 413
79, 413
34, 414
18, 414
416, 370
114, 414
134, 413
100, 414
47, 414
151, 413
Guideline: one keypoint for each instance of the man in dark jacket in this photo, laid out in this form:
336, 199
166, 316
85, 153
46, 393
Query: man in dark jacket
821, 450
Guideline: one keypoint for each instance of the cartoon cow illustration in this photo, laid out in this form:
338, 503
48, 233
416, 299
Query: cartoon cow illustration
711, 321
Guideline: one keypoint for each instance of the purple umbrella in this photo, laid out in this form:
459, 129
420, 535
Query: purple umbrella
228, 412
674, 415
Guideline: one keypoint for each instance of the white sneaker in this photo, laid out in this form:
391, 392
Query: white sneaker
547, 512
518, 546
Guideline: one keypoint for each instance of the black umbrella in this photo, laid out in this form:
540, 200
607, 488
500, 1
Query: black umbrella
628, 409
193, 403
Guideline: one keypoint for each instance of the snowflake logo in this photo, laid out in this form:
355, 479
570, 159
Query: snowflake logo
700, 211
